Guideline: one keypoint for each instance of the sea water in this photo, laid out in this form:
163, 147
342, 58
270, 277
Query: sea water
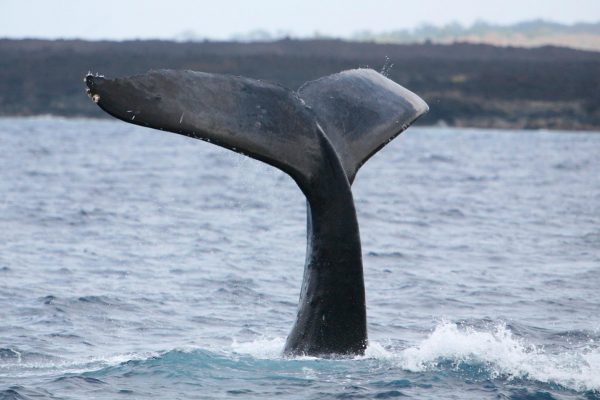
137, 264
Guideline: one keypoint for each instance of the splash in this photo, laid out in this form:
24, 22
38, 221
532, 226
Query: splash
387, 67
378, 351
262, 349
491, 353
503, 355
272, 348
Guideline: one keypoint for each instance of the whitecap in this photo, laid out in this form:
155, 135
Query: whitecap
504, 356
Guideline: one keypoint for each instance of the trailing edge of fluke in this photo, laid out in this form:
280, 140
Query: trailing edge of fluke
320, 135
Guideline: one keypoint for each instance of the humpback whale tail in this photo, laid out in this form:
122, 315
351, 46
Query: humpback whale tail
320, 135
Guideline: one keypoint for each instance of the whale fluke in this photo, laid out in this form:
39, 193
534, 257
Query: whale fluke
361, 111
320, 136
259, 119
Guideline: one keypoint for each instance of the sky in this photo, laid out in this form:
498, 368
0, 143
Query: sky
222, 19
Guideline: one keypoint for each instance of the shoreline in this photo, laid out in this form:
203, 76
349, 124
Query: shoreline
506, 129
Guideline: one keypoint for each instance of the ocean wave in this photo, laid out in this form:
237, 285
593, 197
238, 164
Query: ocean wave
500, 354
471, 352
480, 353
17, 363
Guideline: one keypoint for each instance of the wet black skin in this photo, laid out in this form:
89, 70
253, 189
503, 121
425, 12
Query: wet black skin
332, 316
320, 136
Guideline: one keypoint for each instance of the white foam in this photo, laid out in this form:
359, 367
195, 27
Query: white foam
505, 356
264, 348
376, 350
500, 353
272, 348
50, 367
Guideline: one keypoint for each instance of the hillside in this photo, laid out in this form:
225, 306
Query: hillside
464, 84
583, 36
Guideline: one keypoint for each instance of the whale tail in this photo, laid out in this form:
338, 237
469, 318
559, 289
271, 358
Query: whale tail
358, 111
361, 111
320, 135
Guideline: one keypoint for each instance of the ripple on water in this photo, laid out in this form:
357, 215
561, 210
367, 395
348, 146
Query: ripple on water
143, 265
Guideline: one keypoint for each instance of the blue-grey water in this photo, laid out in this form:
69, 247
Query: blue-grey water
136, 264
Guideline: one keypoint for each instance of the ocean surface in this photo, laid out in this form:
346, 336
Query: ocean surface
137, 264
